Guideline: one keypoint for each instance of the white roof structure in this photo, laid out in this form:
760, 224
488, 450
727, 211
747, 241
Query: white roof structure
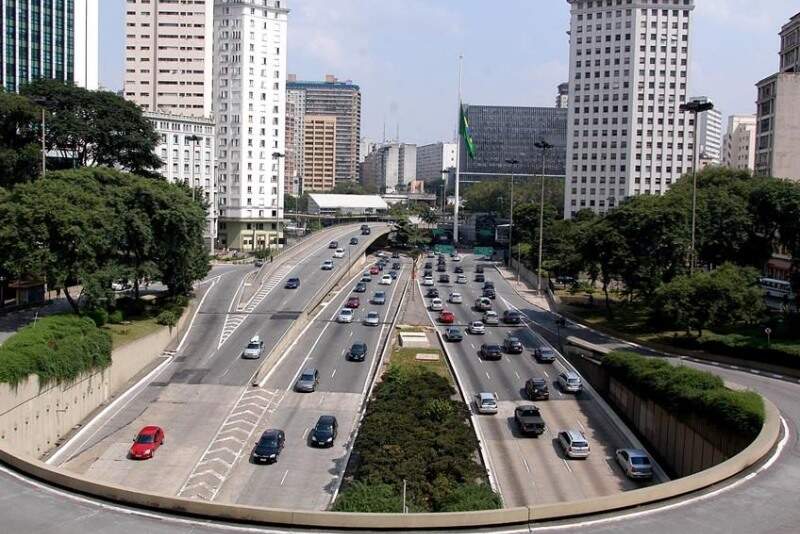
332, 202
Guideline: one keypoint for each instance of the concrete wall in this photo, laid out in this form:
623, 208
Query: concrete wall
34, 417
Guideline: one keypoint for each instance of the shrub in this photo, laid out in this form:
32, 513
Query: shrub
685, 390
372, 498
56, 348
116, 317
98, 315
167, 318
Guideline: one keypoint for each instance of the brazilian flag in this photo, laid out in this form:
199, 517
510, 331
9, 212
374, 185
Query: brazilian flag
466, 133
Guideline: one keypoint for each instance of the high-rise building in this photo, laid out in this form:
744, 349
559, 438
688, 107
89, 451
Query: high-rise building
504, 133
295, 145
250, 111
709, 133
562, 98
187, 149
433, 159
390, 168
169, 55
55, 39
629, 74
319, 154
739, 143
343, 101
778, 122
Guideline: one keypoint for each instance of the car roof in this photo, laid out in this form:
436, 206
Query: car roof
359, 344
512, 338
570, 374
485, 395
150, 429
346, 310
255, 339
309, 371
326, 420
538, 380
372, 313
575, 435
271, 433
638, 453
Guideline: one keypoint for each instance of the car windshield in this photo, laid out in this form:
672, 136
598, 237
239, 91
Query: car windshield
640, 460
573, 380
359, 348
487, 402
528, 412
252, 346
269, 441
580, 444
346, 312
305, 377
145, 438
538, 382
546, 350
494, 347
372, 315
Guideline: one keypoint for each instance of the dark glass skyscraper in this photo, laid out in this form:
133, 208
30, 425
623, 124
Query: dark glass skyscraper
509, 132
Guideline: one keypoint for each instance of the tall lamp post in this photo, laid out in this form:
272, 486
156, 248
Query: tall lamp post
277, 156
194, 139
695, 107
513, 163
544, 146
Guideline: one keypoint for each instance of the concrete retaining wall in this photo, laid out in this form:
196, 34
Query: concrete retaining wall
34, 417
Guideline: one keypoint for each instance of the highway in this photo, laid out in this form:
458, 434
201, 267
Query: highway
529, 470
195, 393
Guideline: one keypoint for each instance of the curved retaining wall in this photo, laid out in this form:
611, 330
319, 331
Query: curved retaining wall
755, 452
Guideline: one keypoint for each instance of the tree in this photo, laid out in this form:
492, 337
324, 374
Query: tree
410, 235
94, 128
605, 253
20, 148
349, 188
726, 296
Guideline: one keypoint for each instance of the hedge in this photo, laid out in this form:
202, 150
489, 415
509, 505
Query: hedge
57, 348
688, 391
726, 346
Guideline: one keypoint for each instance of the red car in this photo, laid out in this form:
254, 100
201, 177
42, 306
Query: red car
146, 442
447, 317
353, 302
374, 270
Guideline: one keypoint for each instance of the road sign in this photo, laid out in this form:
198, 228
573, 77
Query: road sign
443, 249
483, 251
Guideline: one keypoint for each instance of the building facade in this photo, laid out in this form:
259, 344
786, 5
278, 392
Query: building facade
250, 111
629, 74
505, 133
319, 154
739, 143
169, 55
433, 159
390, 168
295, 130
562, 98
790, 45
709, 134
54, 39
187, 148
341, 100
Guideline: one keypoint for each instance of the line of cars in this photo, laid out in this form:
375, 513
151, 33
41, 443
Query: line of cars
371, 318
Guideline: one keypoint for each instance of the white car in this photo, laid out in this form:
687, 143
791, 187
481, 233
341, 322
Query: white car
461, 279
437, 305
569, 382
490, 317
327, 265
427, 281
386, 280
339, 253
372, 319
456, 258
345, 316
476, 328
486, 403
456, 298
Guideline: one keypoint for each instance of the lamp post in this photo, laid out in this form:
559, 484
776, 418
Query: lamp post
544, 146
194, 139
513, 163
277, 156
695, 107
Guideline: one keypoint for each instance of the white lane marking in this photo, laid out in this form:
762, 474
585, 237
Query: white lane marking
199, 306
333, 373
284, 477
527, 467
546, 373
566, 464
487, 375
517, 375
583, 429
305, 433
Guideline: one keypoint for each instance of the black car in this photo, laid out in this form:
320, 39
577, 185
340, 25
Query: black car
453, 334
426, 273
333, 245
479, 269
544, 354
512, 317
324, 432
479, 278
361, 287
357, 352
458, 270
393, 274
444, 278
432, 293
396, 266
489, 293
428, 265
488, 284
536, 389
269, 446
441, 268
395, 255
354, 241
365, 231
490, 351
292, 283
513, 345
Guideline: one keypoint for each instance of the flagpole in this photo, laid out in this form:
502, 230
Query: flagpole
458, 156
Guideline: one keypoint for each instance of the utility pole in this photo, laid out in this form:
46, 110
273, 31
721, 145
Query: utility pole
513, 163
44, 147
543, 145
458, 156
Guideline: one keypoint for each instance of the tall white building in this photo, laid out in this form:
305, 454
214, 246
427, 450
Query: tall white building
50, 39
629, 74
562, 98
168, 55
709, 133
739, 143
187, 148
250, 112
433, 159
390, 168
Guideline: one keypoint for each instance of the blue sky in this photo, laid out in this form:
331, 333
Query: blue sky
404, 54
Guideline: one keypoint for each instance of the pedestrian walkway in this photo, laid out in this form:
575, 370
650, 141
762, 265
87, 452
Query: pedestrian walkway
12, 321
524, 290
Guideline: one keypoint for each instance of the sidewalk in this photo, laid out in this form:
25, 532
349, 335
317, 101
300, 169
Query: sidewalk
523, 289
12, 321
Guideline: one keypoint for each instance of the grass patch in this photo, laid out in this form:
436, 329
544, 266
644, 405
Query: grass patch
56, 348
122, 334
135, 319
405, 359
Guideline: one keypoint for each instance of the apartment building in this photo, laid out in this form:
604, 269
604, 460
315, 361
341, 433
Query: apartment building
52, 39
390, 168
169, 55
249, 90
319, 154
739, 143
433, 159
629, 74
295, 129
562, 98
709, 134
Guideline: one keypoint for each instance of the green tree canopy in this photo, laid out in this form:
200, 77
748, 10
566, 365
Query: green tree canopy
20, 146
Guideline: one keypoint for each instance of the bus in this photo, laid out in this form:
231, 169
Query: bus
780, 289
574, 346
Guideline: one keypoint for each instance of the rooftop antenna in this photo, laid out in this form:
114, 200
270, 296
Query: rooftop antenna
398, 131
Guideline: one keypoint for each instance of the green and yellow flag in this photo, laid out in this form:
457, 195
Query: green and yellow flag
466, 133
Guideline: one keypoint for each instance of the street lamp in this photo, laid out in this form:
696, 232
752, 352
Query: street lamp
277, 156
194, 139
513, 163
544, 146
695, 107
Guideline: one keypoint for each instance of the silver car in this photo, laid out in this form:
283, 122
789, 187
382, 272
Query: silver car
254, 349
327, 265
486, 403
456, 298
307, 383
570, 382
635, 463
461, 279
476, 328
379, 298
372, 319
345, 316
574, 443
491, 317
